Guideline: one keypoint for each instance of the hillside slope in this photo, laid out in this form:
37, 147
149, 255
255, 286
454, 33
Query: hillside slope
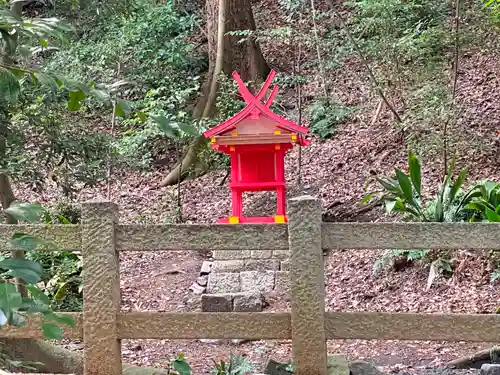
335, 170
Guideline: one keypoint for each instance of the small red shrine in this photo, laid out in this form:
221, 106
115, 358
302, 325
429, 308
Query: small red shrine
257, 140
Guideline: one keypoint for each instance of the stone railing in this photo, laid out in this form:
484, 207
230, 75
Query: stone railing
102, 325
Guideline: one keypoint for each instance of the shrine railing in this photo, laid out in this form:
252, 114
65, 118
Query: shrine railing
102, 323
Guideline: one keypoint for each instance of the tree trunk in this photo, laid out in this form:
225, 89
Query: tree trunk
246, 58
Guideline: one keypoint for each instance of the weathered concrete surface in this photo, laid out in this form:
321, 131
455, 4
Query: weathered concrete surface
244, 302
255, 281
216, 303
231, 254
261, 254
233, 265
282, 282
261, 265
223, 282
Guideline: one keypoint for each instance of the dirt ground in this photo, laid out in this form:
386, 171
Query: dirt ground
159, 281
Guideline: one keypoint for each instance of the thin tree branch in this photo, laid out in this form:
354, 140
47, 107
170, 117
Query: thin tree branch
453, 86
298, 89
318, 51
110, 163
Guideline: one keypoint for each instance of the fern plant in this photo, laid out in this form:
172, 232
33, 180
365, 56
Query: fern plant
326, 116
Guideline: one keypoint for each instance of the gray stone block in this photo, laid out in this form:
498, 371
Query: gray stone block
197, 288
261, 254
262, 265
247, 302
202, 280
282, 282
223, 282
231, 254
236, 265
216, 303
490, 369
205, 268
363, 368
338, 365
281, 254
256, 281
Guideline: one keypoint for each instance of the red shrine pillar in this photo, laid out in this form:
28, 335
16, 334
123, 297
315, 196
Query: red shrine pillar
280, 178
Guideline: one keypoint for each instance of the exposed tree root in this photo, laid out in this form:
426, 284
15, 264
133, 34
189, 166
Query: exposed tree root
477, 359
57, 360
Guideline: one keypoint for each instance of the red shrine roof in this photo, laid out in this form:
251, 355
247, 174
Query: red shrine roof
254, 107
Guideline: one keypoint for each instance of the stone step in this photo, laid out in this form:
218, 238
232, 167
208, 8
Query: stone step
237, 302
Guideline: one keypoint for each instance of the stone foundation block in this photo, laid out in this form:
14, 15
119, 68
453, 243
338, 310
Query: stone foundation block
490, 369
216, 303
262, 265
261, 254
338, 365
281, 254
244, 302
231, 254
236, 265
257, 281
282, 282
206, 267
223, 282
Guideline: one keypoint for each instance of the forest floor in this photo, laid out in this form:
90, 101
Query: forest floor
335, 171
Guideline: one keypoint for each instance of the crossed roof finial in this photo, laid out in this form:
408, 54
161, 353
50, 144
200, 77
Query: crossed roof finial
247, 95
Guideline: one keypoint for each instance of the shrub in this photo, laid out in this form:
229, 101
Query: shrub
146, 49
402, 193
326, 116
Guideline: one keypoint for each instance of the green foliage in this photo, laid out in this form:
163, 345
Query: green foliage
14, 307
407, 45
495, 275
228, 103
180, 366
61, 279
65, 212
14, 74
237, 365
404, 32
43, 148
494, 7
175, 130
326, 116
483, 199
146, 47
401, 193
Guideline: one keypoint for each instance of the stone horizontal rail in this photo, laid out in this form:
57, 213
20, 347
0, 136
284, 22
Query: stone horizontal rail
277, 326
64, 236
264, 237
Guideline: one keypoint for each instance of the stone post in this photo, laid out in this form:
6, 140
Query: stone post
101, 290
307, 286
